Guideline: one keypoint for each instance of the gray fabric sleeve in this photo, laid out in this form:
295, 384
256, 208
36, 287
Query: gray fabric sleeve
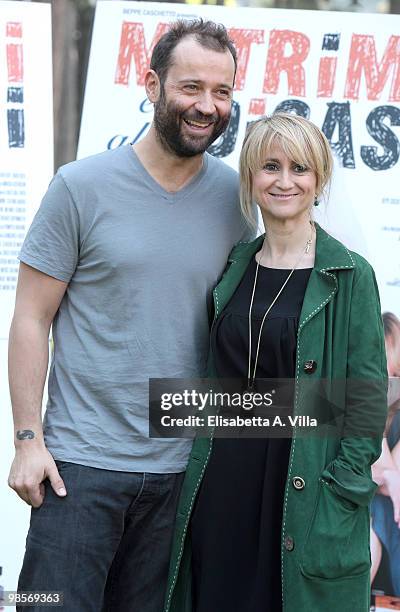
52, 243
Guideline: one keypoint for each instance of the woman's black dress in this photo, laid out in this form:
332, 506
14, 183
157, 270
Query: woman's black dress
236, 523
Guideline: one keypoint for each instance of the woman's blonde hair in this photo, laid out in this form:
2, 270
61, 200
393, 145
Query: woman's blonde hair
302, 141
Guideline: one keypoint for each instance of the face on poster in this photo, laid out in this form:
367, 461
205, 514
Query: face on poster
341, 70
26, 132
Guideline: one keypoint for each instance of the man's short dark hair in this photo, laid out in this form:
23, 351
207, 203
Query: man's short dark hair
207, 33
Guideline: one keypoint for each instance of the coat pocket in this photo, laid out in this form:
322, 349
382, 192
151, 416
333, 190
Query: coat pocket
337, 542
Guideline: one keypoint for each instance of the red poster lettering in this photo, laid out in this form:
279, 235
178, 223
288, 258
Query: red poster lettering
15, 63
14, 29
257, 106
278, 62
133, 43
326, 76
363, 59
243, 40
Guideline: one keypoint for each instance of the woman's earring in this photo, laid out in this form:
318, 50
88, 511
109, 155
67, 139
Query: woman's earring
316, 201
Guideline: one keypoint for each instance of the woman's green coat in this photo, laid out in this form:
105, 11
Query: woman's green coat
325, 527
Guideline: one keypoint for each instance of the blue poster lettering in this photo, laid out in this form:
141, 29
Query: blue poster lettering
384, 137
226, 143
16, 128
338, 115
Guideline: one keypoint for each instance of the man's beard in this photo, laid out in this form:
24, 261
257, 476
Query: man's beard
168, 121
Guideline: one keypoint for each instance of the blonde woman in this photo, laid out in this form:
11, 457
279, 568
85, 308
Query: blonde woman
282, 524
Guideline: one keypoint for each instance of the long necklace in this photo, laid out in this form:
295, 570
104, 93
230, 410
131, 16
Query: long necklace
251, 376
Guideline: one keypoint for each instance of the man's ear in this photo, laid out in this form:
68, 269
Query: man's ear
152, 85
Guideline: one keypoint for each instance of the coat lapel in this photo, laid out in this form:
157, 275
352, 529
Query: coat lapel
330, 255
238, 261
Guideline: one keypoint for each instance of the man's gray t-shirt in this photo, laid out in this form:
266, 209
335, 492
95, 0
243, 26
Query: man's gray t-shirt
141, 264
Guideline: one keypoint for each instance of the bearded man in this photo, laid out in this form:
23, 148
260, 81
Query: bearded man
121, 259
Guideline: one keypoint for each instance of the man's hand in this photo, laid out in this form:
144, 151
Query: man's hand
31, 466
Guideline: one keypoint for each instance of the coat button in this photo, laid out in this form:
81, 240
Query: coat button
310, 366
298, 483
289, 543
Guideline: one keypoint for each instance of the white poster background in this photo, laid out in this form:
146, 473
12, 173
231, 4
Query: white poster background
25, 172
364, 205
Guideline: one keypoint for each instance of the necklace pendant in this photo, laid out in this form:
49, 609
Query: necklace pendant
250, 388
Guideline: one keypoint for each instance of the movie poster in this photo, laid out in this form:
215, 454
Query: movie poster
26, 167
341, 70
26, 132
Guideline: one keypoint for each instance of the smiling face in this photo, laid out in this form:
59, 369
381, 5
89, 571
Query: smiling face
283, 189
285, 162
194, 104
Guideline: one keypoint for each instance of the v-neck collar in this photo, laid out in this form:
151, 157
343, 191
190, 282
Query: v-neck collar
169, 196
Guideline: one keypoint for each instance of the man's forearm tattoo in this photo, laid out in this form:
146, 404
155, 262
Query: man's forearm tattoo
25, 434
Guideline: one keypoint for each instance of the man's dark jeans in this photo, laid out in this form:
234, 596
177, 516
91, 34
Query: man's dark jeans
106, 545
